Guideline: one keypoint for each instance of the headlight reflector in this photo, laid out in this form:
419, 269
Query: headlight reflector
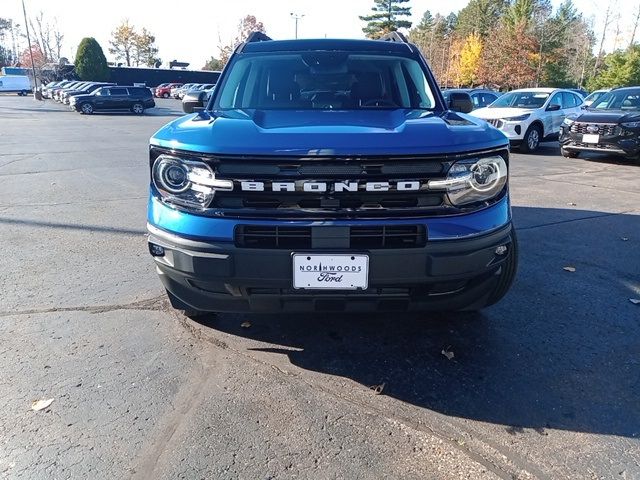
519, 118
186, 182
471, 181
568, 121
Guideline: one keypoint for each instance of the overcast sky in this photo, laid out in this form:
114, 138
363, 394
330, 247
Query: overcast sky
190, 30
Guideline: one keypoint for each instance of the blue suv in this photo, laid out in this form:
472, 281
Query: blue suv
330, 175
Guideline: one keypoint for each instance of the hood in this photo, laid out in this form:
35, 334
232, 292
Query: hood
329, 132
494, 113
608, 116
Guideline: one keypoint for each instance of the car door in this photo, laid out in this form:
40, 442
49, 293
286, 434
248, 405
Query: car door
118, 98
571, 103
101, 99
554, 118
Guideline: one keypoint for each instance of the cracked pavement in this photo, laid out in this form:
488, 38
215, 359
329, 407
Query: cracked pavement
544, 385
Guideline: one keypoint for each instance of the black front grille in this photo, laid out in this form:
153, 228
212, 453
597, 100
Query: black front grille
605, 129
359, 237
293, 201
396, 236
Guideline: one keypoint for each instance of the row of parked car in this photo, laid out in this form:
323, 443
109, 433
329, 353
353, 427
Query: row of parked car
605, 121
88, 97
193, 95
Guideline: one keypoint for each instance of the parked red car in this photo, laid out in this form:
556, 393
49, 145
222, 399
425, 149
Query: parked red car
164, 90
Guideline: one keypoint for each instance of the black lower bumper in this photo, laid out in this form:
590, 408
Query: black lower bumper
219, 277
612, 145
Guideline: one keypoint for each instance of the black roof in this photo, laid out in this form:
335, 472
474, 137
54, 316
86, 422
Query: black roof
626, 88
327, 44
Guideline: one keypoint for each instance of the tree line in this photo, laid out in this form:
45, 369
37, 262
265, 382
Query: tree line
503, 44
508, 44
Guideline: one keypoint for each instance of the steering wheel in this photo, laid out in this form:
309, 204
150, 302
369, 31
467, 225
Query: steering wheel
379, 102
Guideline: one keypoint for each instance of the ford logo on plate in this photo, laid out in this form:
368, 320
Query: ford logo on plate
592, 129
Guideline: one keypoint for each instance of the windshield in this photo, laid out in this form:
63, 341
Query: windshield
593, 97
324, 81
619, 100
528, 100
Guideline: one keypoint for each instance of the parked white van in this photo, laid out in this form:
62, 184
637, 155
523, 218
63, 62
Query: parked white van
19, 84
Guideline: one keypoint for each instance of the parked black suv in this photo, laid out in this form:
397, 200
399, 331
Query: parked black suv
85, 90
610, 125
135, 99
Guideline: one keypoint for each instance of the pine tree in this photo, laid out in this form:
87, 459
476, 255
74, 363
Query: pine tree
91, 63
385, 18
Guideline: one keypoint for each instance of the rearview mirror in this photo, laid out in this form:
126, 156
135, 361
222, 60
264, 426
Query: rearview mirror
460, 102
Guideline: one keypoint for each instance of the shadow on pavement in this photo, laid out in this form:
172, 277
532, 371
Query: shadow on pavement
560, 351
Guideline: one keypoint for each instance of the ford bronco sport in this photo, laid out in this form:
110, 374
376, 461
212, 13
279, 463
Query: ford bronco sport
330, 175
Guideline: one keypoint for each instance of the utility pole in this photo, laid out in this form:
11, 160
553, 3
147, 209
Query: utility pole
296, 17
36, 93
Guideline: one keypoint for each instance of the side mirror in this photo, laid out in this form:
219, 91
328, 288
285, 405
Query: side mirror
460, 102
554, 107
198, 109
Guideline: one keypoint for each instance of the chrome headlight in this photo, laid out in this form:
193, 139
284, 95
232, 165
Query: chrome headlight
186, 182
471, 181
568, 121
519, 118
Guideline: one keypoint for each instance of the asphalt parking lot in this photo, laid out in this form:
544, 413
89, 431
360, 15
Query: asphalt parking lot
544, 385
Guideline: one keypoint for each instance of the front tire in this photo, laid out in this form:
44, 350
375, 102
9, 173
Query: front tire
137, 108
86, 109
531, 140
569, 153
165, 95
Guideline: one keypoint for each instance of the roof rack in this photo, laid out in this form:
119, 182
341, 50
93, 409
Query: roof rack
394, 37
252, 38
257, 37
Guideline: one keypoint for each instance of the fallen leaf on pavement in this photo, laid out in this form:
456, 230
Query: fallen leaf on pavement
447, 353
38, 405
245, 324
569, 269
377, 389
635, 301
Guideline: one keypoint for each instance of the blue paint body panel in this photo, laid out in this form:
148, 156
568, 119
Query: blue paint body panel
329, 132
205, 228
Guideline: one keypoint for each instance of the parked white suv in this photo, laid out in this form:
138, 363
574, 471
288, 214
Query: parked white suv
531, 115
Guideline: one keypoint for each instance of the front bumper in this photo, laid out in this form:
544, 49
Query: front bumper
612, 144
209, 273
514, 131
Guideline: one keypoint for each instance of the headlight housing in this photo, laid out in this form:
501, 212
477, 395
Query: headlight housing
474, 180
519, 118
568, 121
186, 182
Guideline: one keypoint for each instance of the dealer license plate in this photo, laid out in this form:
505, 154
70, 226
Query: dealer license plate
334, 272
590, 138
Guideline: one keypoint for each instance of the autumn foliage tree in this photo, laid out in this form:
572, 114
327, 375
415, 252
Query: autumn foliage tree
132, 47
509, 58
246, 27
468, 65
